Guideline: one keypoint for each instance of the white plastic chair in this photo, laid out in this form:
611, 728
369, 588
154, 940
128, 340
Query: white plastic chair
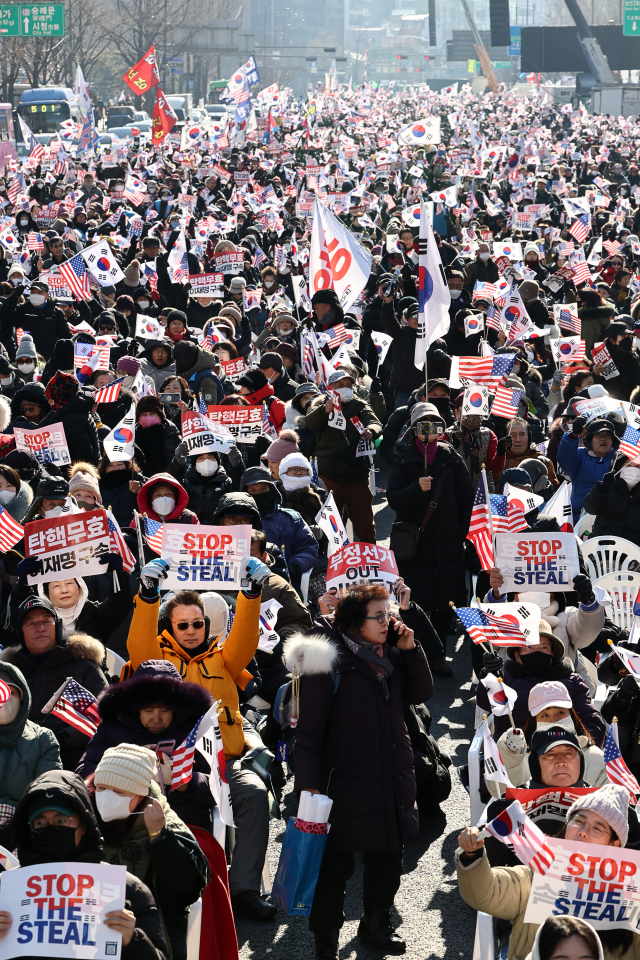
584, 526
605, 555
483, 947
194, 927
473, 761
623, 588
115, 663
304, 586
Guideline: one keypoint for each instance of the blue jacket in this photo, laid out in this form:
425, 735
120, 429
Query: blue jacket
583, 470
288, 530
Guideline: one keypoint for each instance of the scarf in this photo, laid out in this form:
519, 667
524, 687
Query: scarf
432, 450
70, 615
373, 654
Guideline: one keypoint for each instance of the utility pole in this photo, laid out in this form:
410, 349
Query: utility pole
483, 54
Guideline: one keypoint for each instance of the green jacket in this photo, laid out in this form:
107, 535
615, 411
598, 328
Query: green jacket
336, 449
26, 749
594, 322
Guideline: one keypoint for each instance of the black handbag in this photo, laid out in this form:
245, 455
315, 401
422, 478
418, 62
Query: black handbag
405, 536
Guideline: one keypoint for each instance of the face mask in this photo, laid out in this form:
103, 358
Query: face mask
543, 600
9, 711
207, 468
111, 806
149, 420
115, 478
484, 256
36, 299
631, 476
6, 496
345, 394
143, 304
15, 281
163, 506
26, 365
55, 843
566, 723
530, 354
54, 512
536, 664
264, 501
268, 283
6, 382
625, 345
295, 483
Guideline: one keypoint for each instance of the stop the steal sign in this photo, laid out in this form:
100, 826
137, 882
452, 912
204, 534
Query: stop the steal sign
537, 561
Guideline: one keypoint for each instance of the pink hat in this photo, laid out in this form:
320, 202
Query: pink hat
551, 693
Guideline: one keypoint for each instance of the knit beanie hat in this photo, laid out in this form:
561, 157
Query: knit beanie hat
26, 348
529, 289
232, 312
271, 361
132, 274
84, 481
61, 388
253, 380
128, 365
610, 802
127, 767
282, 446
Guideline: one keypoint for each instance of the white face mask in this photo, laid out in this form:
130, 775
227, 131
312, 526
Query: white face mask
111, 806
542, 599
566, 723
484, 256
26, 365
163, 506
268, 283
54, 512
6, 381
345, 394
143, 304
207, 468
36, 299
631, 476
9, 711
294, 483
6, 496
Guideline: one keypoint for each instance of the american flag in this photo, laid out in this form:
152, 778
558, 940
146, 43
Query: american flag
151, 276
513, 827
493, 318
114, 219
337, 335
203, 406
506, 403
268, 427
630, 443
10, 530
182, 760
110, 393
580, 228
484, 627
567, 321
78, 708
75, 273
611, 247
566, 247
617, 770
119, 545
485, 370
207, 343
153, 534
17, 187
34, 241
479, 530
581, 272
506, 517
36, 150
483, 290
259, 258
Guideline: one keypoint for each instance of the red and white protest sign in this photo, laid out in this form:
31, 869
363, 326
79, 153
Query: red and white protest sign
359, 563
244, 423
47, 445
602, 358
219, 171
230, 261
203, 435
202, 284
532, 561
205, 557
234, 368
547, 803
68, 546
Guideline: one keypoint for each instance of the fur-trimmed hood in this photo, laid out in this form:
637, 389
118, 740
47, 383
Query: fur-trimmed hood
80, 645
187, 700
310, 654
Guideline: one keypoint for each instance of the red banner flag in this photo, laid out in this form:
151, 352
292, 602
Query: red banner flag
164, 118
145, 73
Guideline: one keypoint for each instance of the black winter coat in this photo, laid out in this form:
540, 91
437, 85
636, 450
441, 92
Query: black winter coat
79, 429
616, 508
284, 388
120, 499
45, 324
437, 574
80, 659
405, 375
627, 363
353, 744
205, 492
158, 445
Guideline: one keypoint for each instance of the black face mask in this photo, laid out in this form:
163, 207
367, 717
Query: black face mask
55, 843
441, 404
265, 502
625, 345
536, 664
115, 478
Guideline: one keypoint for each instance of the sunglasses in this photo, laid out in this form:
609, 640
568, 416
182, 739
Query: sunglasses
185, 624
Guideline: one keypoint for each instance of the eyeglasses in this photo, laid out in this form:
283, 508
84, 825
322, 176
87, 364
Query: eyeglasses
185, 624
381, 618
60, 820
595, 829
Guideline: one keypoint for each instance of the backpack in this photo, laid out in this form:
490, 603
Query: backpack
282, 715
433, 780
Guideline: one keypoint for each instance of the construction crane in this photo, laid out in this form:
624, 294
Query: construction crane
598, 63
483, 54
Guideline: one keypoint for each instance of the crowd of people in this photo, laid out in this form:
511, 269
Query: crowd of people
531, 205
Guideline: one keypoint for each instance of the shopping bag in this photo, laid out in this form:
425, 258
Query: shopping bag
299, 866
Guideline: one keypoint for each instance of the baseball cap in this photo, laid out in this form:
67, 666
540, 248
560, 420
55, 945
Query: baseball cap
544, 740
551, 693
339, 375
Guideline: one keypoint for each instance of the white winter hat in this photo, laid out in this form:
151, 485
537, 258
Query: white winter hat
610, 802
127, 767
295, 460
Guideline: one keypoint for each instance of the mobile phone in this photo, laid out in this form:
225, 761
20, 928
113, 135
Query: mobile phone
170, 397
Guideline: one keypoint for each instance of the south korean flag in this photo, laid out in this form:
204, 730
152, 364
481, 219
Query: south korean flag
102, 264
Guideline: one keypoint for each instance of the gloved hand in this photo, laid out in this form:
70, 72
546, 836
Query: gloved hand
578, 426
234, 456
628, 689
607, 482
29, 567
87, 393
583, 589
492, 663
376, 385
181, 451
556, 379
256, 572
515, 740
504, 444
151, 575
113, 561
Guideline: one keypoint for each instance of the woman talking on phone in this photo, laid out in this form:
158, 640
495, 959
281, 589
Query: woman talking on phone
427, 471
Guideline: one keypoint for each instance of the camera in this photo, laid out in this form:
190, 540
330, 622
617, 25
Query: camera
424, 428
170, 397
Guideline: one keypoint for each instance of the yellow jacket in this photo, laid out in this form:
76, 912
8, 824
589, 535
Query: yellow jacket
218, 669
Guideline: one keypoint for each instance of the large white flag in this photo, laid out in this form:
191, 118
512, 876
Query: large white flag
330, 522
81, 92
102, 264
426, 130
559, 506
119, 444
433, 294
336, 259
210, 745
